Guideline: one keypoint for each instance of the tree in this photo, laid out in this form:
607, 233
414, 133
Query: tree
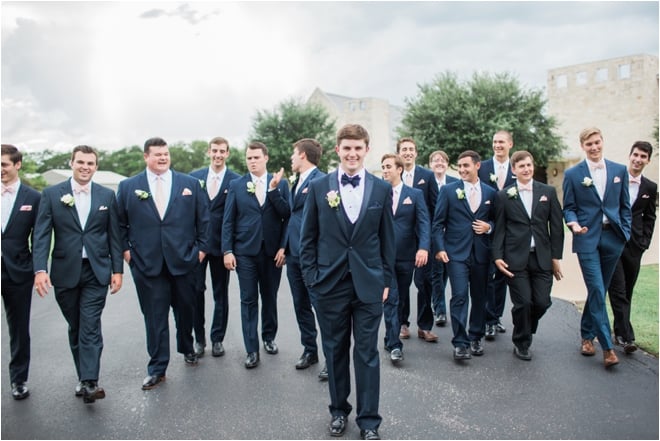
127, 161
290, 121
236, 160
50, 160
186, 158
456, 116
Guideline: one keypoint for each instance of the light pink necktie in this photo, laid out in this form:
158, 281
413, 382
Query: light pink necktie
214, 187
395, 201
159, 197
474, 200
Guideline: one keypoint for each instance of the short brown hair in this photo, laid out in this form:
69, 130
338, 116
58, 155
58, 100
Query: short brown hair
353, 131
14, 154
589, 131
256, 145
312, 149
218, 140
520, 155
505, 133
471, 154
405, 139
440, 153
155, 142
398, 162
84, 149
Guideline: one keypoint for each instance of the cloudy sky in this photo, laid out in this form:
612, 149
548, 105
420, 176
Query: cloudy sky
112, 74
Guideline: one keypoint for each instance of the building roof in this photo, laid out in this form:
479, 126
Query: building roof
102, 177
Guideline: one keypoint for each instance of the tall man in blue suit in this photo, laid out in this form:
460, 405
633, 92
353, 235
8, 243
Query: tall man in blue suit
421, 178
597, 211
304, 161
497, 173
87, 257
412, 234
165, 220
347, 255
462, 228
19, 212
215, 178
253, 243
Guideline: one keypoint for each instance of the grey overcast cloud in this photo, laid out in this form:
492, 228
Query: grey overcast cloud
112, 74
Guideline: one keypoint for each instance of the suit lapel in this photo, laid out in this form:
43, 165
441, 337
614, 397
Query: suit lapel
65, 188
536, 195
402, 197
368, 189
18, 203
340, 214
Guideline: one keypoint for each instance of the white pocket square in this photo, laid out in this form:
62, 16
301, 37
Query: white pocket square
617, 179
407, 201
103, 208
645, 196
29, 207
487, 202
304, 190
543, 199
421, 181
186, 192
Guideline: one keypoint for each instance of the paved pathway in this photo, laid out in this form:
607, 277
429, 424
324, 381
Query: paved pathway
559, 395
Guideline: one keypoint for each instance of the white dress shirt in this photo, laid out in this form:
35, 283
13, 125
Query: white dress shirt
351, 197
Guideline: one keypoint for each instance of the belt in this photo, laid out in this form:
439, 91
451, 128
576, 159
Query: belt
607, 226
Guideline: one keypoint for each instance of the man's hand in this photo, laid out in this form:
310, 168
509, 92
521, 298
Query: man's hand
42, 283
127, 256
230, 261
115, 282
421, 258
201, 256
502, 266
480, 227
576, 228
442, 256
277, 177
280, 258
386, 292
556, 269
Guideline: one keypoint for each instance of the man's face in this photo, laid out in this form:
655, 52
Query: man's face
9, 170
408, 153
593, 147
297, 160
468, 170
501, 146
218, 154
83, 166
638, 160
158, 159
391, 173
524, 170
439, 165
256, 161
351, 154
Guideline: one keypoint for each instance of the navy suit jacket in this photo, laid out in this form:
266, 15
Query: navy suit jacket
643, 214
452, 223
514, 228
216, 207
246, 225
424, 180
175, 240
16, 239
583, 205
328, 251
101, 236
412, 224
297, 203
487, 170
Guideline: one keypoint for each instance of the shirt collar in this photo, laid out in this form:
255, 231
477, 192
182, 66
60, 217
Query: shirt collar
262, 179
304, 175
341, 171
151, 176
397, 188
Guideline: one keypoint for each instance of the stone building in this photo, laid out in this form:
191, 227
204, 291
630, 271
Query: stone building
619, 96
376, 115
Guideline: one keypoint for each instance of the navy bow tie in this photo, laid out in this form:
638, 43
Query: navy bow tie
354, 181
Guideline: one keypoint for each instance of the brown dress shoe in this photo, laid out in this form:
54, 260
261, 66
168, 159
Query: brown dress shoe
405, 333
427, 335
588, 347
610, 358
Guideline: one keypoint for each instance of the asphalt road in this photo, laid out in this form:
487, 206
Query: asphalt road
559, 395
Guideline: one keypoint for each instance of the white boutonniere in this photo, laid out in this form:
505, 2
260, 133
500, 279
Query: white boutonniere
512, 193
460, 193
68, 200
202, 183
293, 179
587, 181
141, 194
492, 177
333, 199
251, 188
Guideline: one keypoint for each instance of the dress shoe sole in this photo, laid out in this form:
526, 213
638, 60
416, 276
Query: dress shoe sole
588, 353
629, 349
611, 363
489, 337
19, 397
522, 357
306, 365
217, 354
151, 386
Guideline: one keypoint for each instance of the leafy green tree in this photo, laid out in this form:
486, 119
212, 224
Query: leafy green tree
29, 175
290, 121
236, 160
188, 157
127, 161
456, 116
50, 160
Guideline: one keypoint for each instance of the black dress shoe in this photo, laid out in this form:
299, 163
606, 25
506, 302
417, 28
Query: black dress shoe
441, 320
79, 389
369, 434
461, 353
618, 340
270, 347
629, 347
217, 350
521, 353
499, 327
190, 359
490, 332
476, 348
323, 375
152, 381
19, 391
306, 360
91, 392
252, 360
337, 426
200, 349
396, 355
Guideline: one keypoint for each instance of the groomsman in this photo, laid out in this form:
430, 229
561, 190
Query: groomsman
215, 178
497, 173
421, 178
304, 161
253, 242
528, 217
597, 211
165, 221
439, 161
412, 235
347, 256
462, 228
643, 194
20, 204
81, 216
